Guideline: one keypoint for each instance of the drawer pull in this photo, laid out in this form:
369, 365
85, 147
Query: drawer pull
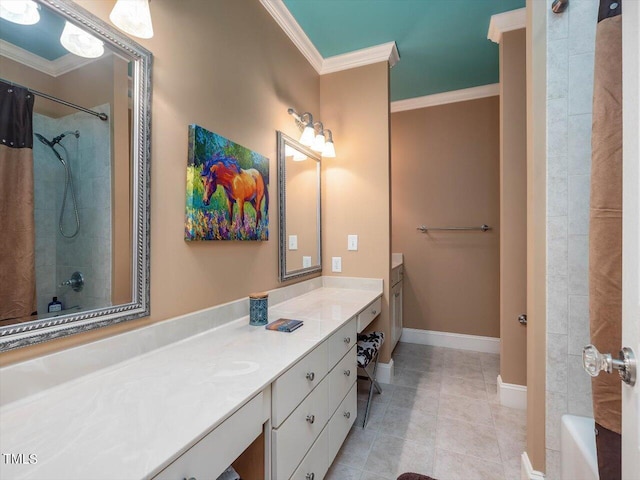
347, 372
397, 295
311, 376
373, 312
347, 414
310, 476
347, 340
311, 419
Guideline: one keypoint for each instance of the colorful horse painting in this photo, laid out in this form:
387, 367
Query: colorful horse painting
221, 175
240, 186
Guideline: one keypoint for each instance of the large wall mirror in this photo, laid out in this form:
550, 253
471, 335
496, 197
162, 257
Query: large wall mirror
299, 189
80, 232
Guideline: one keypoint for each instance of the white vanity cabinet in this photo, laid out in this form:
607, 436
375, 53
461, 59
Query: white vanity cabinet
397, 275
309, 428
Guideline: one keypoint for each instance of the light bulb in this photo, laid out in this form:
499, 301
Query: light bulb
318, 143
329, 150
133, 17
308, 136
23, 12
81, 43
298, 156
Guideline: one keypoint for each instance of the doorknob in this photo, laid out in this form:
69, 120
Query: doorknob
595, 362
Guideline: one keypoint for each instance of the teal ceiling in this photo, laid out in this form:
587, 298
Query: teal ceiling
43, 38
443, 44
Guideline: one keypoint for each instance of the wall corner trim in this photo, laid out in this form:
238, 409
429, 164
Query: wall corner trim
526, 469
386, 52
281, 14
512, 395
460, 341
473, 93
506, 22
385, 372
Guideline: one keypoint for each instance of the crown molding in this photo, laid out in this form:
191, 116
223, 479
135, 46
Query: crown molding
281, 14
386, 52
53, 68
506, 22
380, 53
453, 96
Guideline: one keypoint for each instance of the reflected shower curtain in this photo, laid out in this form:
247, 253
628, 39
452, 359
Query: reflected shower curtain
605, 233
17, 225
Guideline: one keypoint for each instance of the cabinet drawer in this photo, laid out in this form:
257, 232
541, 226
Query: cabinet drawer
368, 314
295, 436
292, 386
315, 464
214, 453
341, 422
397, 274
342, 378
340, 342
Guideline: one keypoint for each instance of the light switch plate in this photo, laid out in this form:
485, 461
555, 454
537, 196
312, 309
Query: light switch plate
336, 264
352, 242
293, 242
306, 261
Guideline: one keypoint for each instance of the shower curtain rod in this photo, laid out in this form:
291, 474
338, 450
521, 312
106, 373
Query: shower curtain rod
101, 116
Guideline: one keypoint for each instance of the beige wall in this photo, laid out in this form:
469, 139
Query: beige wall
233, 71
513, 207
445, 172
536, 231
356, 196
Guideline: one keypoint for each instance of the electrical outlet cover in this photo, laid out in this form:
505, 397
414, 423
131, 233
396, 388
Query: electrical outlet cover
293, 242
336, 264
352, 242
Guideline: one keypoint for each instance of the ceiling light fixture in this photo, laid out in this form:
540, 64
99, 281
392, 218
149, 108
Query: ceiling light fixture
133, 17
22, 12
309, 138
81, 43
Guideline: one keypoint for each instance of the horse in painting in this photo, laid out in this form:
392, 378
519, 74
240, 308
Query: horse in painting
240, 186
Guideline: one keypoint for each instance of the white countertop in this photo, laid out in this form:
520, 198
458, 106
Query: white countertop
130, 420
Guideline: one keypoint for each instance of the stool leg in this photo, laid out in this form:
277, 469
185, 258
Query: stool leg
372, 383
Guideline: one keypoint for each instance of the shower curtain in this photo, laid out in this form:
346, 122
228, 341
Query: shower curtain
605, 233
17, 225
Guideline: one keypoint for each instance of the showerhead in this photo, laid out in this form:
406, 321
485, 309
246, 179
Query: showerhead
44, 140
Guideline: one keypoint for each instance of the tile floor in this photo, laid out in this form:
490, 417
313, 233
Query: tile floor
451, 430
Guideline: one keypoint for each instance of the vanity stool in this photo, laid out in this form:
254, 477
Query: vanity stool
367, 351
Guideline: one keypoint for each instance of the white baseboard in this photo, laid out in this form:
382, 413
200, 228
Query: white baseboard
526, 470
512, 395
384, 373
460, 341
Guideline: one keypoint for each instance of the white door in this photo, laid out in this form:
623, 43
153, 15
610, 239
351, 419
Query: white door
631, 232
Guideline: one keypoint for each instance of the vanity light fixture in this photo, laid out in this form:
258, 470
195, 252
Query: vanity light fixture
329, 150
23, 12
81, 43
133, 17
320, 142
292, 152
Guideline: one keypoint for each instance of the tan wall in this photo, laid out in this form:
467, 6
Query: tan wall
356, 196
536, 231
233, 71
513, 207
445, 172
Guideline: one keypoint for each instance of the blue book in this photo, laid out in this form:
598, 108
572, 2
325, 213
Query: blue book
284, 325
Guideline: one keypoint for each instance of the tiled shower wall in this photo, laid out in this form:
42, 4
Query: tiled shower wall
90, 251
570, 59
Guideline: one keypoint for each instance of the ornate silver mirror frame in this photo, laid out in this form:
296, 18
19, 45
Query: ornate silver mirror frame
36, 331
286, 273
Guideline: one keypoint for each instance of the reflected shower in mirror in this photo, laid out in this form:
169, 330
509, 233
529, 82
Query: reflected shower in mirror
299, 188
78, 234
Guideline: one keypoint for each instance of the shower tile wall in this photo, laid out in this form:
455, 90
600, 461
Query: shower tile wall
90, 251
570, 57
